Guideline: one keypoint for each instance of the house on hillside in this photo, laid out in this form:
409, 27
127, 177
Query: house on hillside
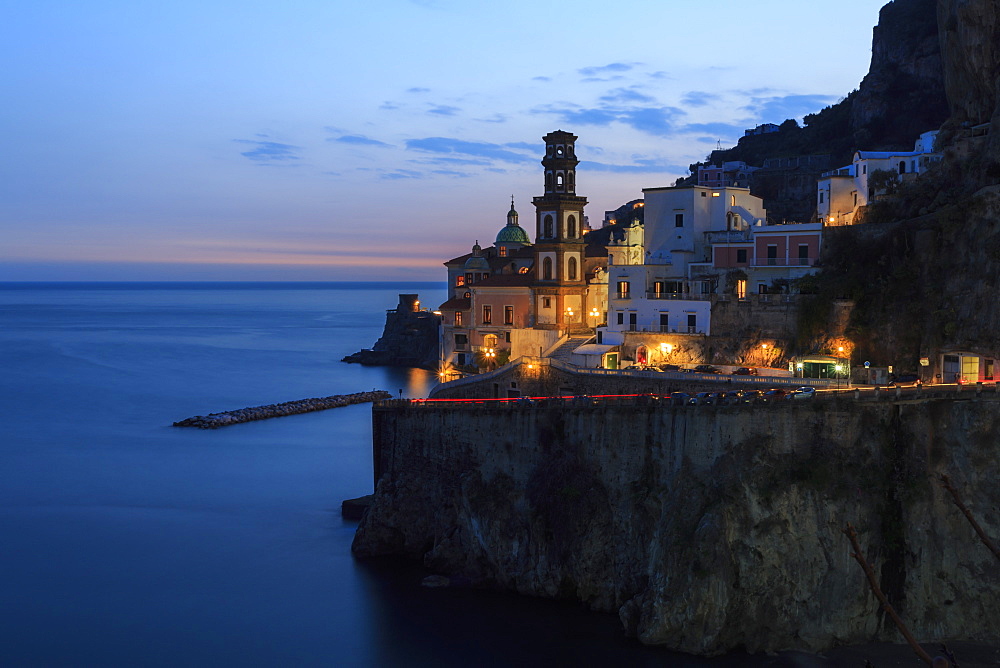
841, 193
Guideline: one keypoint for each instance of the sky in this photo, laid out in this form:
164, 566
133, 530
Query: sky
331, 140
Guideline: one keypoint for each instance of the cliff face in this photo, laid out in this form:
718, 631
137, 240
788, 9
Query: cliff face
903, 93
705, 530
970, 43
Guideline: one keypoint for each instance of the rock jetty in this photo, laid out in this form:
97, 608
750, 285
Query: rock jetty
216, 420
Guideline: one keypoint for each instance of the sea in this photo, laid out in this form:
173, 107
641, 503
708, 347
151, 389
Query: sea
125, 541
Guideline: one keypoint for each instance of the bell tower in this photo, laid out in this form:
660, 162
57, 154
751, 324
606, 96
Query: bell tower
560, 283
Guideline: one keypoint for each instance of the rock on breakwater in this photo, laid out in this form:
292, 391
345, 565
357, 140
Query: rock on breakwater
216, 420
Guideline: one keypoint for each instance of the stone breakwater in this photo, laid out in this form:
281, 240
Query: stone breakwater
216, 420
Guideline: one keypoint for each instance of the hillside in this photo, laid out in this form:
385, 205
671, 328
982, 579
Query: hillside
924, 270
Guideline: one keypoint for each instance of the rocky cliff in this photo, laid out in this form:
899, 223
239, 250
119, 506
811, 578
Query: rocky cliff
970, 44
705, 530
903, 93
410, 338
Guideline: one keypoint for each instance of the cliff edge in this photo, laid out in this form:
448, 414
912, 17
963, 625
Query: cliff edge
705, 530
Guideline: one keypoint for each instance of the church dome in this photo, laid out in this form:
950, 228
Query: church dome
477, 263
513, 234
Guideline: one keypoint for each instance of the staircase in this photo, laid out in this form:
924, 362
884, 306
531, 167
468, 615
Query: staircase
564, 353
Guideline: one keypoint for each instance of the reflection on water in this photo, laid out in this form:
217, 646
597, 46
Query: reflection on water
407, 382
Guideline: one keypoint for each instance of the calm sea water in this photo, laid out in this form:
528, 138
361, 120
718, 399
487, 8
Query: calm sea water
125, 541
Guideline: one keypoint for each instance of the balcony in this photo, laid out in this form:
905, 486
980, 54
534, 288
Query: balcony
623, 295
691, 296
784, 262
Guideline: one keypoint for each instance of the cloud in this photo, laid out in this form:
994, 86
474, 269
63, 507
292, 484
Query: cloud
452, 146
775, 109
402, 174
389, 106
625, 95
448, 172
642, 166
268, 151
359, 140
658, 121
541, 78
699, 98
451, 161
610, 72
443, 110
496, 118
720, 129
416, 89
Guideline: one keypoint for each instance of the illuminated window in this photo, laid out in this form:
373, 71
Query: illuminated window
460, 280
458, 318
741, 289
502, 251
624, 291
487, 314
508, 315
522, 270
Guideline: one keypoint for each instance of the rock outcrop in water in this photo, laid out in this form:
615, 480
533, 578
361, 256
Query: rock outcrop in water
410, 338
706, 529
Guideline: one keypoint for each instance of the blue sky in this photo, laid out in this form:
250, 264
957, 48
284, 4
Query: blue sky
332, 140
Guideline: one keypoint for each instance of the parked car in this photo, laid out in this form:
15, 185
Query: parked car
706, 368
751, 396
802, 393
669, 367
774, 394
703, 398
679, 398
732, 397
745, 371
905, 380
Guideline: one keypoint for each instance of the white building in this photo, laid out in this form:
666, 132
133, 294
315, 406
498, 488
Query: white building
841, 192
655, 274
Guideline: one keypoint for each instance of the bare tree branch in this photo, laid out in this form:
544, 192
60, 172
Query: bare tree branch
873, 583
946, 483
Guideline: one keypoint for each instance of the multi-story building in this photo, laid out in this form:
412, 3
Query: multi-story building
699, 245
842, 192
522, 297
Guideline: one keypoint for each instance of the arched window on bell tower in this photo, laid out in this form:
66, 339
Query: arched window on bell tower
547, 269
559, 181
547, 227
571, 227
571, 269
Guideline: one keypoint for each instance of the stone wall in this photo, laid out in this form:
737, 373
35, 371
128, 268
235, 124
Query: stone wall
706, 529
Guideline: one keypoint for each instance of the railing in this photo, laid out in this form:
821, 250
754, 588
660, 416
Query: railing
784, 262
690, 296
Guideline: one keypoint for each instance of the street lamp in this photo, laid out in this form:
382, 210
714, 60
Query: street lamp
838, 368
799, 367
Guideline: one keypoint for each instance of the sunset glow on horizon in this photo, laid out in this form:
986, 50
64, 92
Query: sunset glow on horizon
334, 141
